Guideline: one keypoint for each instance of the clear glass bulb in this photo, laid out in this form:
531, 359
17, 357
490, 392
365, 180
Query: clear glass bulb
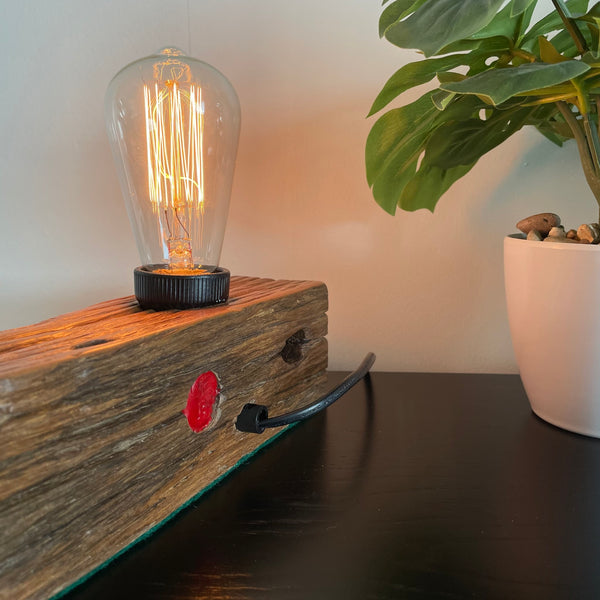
173, 122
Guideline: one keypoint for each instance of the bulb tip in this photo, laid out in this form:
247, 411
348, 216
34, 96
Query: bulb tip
170, 51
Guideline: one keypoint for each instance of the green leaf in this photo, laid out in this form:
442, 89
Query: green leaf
560, 128
393, 148
548, 132
428, 185
594, 30
591, 58
419, 72
446, 147
503, 24
414, 74
388, 188
548, 53
563, 42
463, 107
478, 62
525, 21
442, 99
498, 85
395, 129
550, 135
397, 140
592, 13
519, 6
551, 22
395, 12
437, 23
469, 44
592, 19
450, 76
460, 46
464, 142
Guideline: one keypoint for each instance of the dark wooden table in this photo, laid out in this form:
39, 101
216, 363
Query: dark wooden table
421, 486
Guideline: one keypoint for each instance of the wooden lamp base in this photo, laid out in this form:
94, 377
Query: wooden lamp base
95, 450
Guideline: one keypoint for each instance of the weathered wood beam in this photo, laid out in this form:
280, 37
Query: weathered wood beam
95, 450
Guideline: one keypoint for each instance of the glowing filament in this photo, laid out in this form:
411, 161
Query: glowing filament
174, 142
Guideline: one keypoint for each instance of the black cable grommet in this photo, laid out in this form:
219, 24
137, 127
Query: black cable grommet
254, 418
249, 420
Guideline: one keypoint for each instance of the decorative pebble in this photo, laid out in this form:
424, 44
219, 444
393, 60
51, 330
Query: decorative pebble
534, 236
546, 227
543, 222
560, 240
557, 232
589, 233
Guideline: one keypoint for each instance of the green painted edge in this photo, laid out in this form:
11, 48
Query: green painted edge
154, 529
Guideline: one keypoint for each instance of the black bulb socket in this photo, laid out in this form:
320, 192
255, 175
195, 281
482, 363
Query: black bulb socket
162, 291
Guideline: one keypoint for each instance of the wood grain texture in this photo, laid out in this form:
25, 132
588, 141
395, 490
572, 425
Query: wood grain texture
95, 450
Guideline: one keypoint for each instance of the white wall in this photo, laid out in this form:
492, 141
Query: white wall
423, 291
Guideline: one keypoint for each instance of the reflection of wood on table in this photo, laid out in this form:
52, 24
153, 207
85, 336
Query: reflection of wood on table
95, 451
415, 486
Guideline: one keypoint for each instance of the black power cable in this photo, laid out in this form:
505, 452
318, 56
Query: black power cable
254, 418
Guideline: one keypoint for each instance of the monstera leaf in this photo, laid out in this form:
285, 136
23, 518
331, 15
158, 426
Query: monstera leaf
496, 72
499, 85
436, 23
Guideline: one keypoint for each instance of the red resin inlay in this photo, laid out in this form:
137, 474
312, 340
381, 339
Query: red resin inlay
201, 401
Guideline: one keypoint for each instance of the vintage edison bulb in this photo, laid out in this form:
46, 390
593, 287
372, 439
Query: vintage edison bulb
173, 122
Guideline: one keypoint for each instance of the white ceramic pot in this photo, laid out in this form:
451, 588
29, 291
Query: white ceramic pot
553, 300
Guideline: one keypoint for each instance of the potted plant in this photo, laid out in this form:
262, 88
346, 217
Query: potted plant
497, 71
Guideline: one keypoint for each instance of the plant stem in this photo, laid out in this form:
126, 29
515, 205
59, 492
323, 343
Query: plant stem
591, 134
586, 155
571, 26
523, 54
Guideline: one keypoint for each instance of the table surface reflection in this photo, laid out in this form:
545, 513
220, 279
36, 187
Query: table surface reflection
410, 486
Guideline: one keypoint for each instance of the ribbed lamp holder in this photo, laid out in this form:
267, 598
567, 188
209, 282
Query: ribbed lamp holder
161, 291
